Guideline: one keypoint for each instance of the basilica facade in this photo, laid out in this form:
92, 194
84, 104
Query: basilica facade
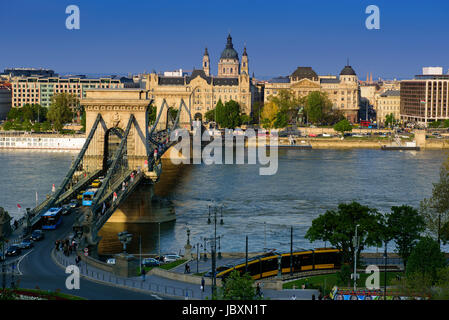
201, 90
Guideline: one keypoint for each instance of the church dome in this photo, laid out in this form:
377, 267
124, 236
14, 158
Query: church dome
229, 52
348, 71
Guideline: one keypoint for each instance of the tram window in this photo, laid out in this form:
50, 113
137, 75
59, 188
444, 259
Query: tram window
306, 260
253, 268
270, 264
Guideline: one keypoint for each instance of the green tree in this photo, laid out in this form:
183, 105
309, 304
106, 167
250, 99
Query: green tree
60, 111
228, 116
210, 115
8, 125
288, 106
344, 276
426, 259
405, 226
173, 113
245, 119
435, 210
343, 126
36, 127
317, 107
238, 287
152, 114
26, 125
338, 228
390, 120
281, 120
83, 120
46, 126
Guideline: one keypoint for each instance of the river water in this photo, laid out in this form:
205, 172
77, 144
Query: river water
308, 183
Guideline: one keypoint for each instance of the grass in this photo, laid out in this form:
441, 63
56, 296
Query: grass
330, 280
166, 266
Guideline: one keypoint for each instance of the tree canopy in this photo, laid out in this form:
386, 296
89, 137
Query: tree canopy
238, 287
435, 210
343, 126
426, 259
404, 225
60, 111
338, 228
227, 115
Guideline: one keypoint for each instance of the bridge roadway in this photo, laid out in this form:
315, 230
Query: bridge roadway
36, 268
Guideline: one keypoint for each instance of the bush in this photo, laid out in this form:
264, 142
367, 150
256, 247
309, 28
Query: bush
344, 275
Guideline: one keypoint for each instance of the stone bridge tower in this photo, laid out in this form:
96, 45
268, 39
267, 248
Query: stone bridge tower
116, 107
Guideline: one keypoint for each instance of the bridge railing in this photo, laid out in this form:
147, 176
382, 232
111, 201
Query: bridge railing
149, 284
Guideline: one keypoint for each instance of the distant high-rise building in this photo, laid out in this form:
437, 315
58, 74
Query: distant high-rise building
426, 98
432, 70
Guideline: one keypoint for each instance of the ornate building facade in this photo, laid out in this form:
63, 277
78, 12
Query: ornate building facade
201, 90
343, 90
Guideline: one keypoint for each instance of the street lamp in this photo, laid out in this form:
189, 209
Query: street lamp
356, 245
198, 245
279, 266
385, 271
125, 238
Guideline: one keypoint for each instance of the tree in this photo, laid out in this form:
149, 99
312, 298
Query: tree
288, 106
317, 106
210, 115
46, 126
405, 226
245, 119
228, 116
238, 287
83, 120
426, 259
343, 126
152, 114
338, 228
269, 113
60, 112
435, 210
390, 120
281, 120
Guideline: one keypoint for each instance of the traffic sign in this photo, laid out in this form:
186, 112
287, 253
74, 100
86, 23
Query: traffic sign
86, 250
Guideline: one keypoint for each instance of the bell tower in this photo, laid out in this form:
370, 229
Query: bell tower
206, 63
244, 66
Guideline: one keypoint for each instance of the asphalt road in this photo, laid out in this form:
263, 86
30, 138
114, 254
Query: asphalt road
36, 268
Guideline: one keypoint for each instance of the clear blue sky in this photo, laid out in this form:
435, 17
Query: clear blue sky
137, 36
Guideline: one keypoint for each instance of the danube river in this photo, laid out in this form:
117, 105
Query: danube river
308, 183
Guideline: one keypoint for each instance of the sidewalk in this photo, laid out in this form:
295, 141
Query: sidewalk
159, 286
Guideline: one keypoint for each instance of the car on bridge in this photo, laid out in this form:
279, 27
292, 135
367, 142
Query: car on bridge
13, 250
66, 209
37, 235
96, 183
73, 203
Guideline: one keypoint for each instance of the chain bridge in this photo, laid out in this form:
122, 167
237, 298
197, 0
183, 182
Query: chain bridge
122, 147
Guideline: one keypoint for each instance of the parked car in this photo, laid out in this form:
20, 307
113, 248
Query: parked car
80, 195
37, 235
96, 183
150, 262
13, 250
73, 203
171, 257
26, 244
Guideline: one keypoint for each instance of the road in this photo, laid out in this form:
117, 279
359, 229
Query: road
36, 268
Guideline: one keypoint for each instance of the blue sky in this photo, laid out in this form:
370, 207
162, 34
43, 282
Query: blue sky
118, 37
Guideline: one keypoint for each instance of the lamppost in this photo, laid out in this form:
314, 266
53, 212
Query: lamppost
385, 271
356, 245
198, 245
279, 266
125, 238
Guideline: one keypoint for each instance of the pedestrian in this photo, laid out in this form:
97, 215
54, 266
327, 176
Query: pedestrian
258, 290
143, 274
202, 284
313, 297
320, 296
293, 297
